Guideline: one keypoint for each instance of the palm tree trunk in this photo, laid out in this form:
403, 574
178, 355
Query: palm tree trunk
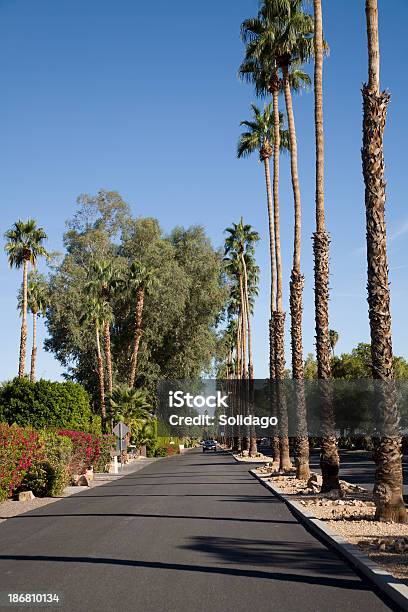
272, 368
107, 342
140, 295
34, 348
279, 315
297, 282
101, 377
243, 327
388, 475
23, 335
329, 457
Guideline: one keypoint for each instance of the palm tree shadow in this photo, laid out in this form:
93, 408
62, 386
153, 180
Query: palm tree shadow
304, 561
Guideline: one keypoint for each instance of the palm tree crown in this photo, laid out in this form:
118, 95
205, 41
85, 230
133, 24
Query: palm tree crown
25, 243
260, 134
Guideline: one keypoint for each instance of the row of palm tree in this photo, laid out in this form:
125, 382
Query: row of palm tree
278, 42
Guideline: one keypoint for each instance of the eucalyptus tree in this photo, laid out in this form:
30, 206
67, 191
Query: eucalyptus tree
37, 301
140, 279
329, 456
388, 477
25, 244
104, 281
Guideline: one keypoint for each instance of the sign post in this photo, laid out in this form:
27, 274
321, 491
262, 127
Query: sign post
120, 430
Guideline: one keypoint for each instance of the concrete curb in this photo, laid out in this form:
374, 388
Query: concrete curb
395, 590
242, 461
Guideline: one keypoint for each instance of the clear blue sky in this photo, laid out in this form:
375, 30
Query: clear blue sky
142, 97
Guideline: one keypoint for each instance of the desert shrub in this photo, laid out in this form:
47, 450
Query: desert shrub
19, 449
46, 404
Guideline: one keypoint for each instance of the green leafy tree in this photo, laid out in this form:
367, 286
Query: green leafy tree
25, 244
181, 310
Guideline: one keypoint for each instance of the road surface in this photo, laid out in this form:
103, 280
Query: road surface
194, 532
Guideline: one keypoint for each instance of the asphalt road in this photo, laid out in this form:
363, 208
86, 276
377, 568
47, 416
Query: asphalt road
193, 532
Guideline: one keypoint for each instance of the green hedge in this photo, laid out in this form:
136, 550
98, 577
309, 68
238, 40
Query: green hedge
46, 404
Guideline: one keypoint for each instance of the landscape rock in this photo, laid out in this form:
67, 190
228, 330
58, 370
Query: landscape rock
315, 481
26, 496
83, 481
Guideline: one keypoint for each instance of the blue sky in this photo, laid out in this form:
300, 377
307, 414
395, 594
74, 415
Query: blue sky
142, 97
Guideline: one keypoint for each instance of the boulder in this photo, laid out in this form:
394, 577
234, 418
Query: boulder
315, 481
26, 496
83, 481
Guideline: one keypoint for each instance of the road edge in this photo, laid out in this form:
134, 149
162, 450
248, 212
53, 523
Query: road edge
395, 590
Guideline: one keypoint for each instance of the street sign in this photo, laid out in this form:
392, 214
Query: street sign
120, 430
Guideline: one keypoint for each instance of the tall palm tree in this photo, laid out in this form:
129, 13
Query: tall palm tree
102, 285
97, 312
140, 280
239, 246
37, 300
388, 476
329, 456
25, 244
279, 38
259, 138
241, 241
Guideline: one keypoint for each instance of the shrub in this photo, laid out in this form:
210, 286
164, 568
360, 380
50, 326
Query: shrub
106, 444
39, 479
19, 449
48, 404
160, 452
88, 450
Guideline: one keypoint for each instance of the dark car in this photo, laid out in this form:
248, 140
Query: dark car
209, 445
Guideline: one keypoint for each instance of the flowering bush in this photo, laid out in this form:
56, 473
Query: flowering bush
19, 449
45, 461
88, 449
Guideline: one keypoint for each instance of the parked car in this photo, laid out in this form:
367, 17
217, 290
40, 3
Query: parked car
210, 445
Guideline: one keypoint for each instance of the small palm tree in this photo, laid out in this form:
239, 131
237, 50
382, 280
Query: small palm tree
140, 280
25, 244
37, 300
334, 338
129, 404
